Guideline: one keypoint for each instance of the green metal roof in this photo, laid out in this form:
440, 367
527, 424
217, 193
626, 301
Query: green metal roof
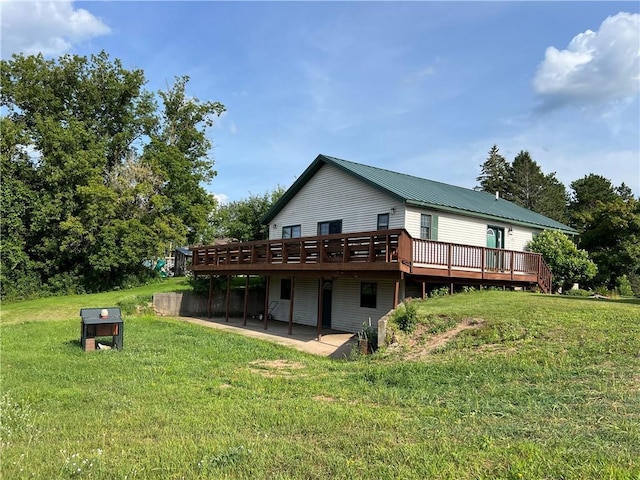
425, 193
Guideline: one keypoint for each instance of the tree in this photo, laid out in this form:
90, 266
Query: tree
84, 207
240, 220
494, 173
178, 152
611, 233
567, 263
530, 188
588, 192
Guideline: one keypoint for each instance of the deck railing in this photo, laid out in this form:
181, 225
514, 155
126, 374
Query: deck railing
380, 247
389, 246
452, 256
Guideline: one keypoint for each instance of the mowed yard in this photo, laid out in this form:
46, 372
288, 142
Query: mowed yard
546, 387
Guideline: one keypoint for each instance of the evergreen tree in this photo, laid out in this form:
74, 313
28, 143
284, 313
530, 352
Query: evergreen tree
530, 188
494, 173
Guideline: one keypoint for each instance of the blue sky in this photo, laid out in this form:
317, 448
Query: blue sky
424, 88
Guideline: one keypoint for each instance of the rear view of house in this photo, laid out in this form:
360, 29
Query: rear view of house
348, 241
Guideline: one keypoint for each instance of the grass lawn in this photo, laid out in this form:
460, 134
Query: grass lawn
548, 387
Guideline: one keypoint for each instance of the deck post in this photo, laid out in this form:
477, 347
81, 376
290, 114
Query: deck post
266, 302
226, 307
210, 301
246, 299
451, 288
320, 301
424, 290
396, 293
293, 289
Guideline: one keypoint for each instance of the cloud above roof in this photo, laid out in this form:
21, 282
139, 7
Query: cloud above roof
595, 67
50, 28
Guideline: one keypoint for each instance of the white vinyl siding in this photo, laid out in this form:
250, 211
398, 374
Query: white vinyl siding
331, 194
467, 230
346, 313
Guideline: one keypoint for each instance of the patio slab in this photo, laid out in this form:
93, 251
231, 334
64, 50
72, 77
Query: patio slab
333, 343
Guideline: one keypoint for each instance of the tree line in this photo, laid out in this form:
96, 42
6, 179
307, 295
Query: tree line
606, 217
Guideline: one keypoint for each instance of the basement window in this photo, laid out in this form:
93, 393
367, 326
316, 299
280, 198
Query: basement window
368, 294
285, 289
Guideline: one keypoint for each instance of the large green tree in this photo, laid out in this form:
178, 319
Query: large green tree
179, 153
86, 198
611, 233
240, 220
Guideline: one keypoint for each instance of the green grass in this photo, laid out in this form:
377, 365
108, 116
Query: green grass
65, 307
548, 387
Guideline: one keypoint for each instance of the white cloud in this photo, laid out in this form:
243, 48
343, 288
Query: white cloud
222, 198
595, 67
50, 28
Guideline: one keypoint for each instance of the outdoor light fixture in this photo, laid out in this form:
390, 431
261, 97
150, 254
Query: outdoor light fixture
510, 230
275, 226
393, 210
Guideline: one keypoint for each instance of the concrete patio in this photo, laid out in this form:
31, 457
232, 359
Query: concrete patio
333, 343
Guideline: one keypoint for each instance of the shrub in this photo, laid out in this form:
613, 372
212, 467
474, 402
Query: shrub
567, 263
439, 292
578, 292
623, 286
406, 316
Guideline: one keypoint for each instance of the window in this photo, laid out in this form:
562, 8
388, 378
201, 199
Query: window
368, 294
285, 289
383, 221
292, 231
425, 226
328, 228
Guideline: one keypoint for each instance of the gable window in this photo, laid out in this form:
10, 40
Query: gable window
292, 231
368, 294
425, 226
383, 221
328, 228
285, 289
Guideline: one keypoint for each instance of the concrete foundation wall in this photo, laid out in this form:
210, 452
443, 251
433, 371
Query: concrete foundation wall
187, 304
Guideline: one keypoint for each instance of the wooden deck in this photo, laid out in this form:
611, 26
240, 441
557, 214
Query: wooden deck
373, 253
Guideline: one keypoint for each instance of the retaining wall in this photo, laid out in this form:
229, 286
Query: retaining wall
187, 304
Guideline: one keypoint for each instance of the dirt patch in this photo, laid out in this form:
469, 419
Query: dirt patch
274, 368
322, 398
421, 343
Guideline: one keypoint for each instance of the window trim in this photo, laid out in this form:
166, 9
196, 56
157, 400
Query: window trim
368, 300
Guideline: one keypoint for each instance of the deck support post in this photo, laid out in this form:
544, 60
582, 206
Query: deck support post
266, 302
227, 299
246, 300
320, 303
396, 293
424, 290
293, 289
210, 301
451, 288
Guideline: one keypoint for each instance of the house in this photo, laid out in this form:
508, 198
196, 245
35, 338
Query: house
348, 241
